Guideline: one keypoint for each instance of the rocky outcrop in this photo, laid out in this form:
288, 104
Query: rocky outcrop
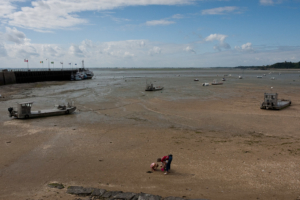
95, 193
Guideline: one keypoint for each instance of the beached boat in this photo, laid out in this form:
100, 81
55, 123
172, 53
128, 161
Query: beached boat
223, 79
259, 76
240, 77
271, 102
150, 87
196, 79
24, 111
215, 82
205, 84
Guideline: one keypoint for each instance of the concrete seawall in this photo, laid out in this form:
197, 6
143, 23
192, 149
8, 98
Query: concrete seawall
2, 82
11, 77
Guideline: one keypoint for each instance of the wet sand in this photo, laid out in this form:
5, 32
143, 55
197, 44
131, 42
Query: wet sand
224, 146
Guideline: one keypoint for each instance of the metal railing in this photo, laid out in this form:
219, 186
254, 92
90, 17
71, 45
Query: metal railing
39, 69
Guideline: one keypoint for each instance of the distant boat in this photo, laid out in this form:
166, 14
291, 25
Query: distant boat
223, 79
215, 82
259, 76
205, 84
86, 73
196, 79
77, 77
240, 77
150, 87
273, 78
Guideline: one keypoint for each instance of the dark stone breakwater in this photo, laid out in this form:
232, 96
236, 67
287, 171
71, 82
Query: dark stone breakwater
30, 76
95, 193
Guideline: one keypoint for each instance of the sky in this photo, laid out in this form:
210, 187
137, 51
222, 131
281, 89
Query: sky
148, 33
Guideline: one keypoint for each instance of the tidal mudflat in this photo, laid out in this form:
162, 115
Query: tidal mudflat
224, 146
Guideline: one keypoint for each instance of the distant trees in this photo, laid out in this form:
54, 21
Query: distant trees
282, 65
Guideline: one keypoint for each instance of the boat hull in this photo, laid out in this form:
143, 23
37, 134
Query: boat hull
216, 83
154, 89
280, 105
47, 113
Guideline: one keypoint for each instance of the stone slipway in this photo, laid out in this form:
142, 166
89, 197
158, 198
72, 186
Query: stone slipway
95, 193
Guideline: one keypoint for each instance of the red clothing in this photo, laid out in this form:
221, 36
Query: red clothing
163, 159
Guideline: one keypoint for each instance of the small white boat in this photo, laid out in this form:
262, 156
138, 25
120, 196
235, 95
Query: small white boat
24, 111
196, 79
215, 82
205, 84
240, 77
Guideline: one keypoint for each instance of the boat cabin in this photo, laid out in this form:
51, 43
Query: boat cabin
24, 108
271, 98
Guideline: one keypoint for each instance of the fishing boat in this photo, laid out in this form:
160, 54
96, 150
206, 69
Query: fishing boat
77, 77
84, 72
24, 111
240, 77
150, 87
215, 82
196, 79
223, 79
271, 102
205, 84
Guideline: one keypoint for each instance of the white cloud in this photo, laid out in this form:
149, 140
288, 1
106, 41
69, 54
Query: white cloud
6, 8
178, 16
155, 50
141, 53
266, 2
159, 22
189, 49
57, 14
245, 47
13, 35
76, 51
218, 37
3, 52
221, 10
270, 2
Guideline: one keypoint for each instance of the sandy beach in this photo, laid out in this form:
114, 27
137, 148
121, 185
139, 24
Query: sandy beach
224, 146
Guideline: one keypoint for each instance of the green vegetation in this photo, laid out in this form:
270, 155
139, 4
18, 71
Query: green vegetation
282, 65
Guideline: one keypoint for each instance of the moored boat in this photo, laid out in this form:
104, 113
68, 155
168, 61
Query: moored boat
24, 111
215, 82
150, 87
271, 102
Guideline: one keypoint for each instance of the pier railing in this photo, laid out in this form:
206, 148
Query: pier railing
42, 70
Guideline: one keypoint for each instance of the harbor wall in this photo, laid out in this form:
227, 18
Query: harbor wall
29, 76
39, 76
9, 77
2, 82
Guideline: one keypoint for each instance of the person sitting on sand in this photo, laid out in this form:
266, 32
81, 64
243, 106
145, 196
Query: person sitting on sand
153, 166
